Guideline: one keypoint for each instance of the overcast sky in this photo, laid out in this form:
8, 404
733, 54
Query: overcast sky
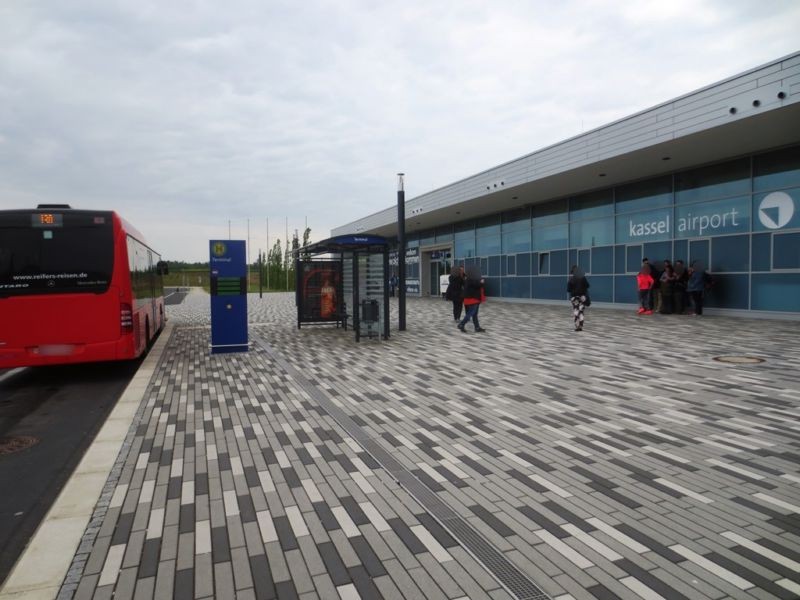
184, 116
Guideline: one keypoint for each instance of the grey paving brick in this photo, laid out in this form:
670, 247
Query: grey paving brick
203, 576
223, 580
145, 588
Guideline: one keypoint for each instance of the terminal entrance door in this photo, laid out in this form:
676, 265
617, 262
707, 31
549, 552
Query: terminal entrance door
440, 264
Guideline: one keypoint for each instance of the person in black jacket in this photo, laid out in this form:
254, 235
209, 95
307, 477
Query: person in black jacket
455, 291
473, 296
578, 289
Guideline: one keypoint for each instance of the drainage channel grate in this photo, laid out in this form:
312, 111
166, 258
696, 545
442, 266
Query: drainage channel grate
739, 360
509, 576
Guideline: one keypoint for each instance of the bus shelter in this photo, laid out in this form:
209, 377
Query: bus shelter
344, 280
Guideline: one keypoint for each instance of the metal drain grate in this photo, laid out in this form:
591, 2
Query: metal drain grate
739, 360
503, 570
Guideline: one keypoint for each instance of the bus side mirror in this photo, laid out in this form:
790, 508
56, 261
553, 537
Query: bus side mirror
162, 267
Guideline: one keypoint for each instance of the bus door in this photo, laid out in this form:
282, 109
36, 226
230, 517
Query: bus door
152, 271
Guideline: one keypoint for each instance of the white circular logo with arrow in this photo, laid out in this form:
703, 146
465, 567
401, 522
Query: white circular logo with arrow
776, 210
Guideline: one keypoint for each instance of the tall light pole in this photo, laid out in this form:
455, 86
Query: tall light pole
268, 253
401, 251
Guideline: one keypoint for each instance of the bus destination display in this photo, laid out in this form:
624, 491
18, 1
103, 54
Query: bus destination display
47, 220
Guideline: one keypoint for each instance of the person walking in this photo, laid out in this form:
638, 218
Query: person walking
473, 296
455, 290
578, 289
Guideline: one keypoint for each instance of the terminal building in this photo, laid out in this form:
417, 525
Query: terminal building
713, 175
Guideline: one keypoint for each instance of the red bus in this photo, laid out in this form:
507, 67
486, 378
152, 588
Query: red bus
75, 286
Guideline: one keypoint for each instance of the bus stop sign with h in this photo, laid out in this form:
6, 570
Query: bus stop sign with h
228, 268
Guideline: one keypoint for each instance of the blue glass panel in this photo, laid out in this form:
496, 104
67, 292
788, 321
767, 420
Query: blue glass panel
444, 234
488, 226
523, 264
777, 169
603, 260
552, 213
558, 263
776, 291
730, 253
619, 259
544, 263
491, 285
427, 238
464, 248
716, 181
657, 252
516, 220
573, 257
412, 242
585, 260
644, 194
484, 263
464, 231
762, 252
516, 287
777, 210
596, 232
494, 266
589, 206
625, 290
517, 241
535, 263
511, 265
634, 259
713, 218
550, 288
699, 250
488, 245
729, 291
601, 289
648, 226
786, 251
680, 250
550, 238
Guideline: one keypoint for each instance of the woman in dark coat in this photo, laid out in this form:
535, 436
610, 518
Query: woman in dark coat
455, 291
578, 289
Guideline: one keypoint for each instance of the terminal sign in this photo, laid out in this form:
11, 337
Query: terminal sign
692, 220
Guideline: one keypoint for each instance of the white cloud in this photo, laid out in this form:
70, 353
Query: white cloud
184, 116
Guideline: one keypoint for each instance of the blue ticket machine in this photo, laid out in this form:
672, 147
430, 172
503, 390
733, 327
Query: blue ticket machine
228, 296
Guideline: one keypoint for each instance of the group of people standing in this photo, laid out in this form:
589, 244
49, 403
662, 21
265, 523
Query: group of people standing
669, 291
466, 291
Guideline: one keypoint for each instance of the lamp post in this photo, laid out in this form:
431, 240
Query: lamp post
401, 251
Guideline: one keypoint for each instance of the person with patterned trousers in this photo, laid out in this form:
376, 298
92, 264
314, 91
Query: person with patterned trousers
578, 289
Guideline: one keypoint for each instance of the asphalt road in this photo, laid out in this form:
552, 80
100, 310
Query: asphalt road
62, 408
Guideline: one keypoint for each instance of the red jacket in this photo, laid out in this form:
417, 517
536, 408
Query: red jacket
644, 281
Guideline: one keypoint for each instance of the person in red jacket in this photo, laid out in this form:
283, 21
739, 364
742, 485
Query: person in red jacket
473, 296
644, 281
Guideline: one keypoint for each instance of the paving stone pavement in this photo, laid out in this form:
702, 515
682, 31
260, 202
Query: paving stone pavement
617, 462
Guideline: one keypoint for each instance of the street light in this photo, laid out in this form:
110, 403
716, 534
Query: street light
401, 251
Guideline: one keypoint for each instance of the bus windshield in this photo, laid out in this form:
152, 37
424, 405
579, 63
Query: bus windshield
55, 253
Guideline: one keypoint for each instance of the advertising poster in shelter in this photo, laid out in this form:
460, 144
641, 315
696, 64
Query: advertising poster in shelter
319, 291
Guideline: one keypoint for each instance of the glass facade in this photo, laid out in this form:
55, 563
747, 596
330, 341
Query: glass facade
740, 217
